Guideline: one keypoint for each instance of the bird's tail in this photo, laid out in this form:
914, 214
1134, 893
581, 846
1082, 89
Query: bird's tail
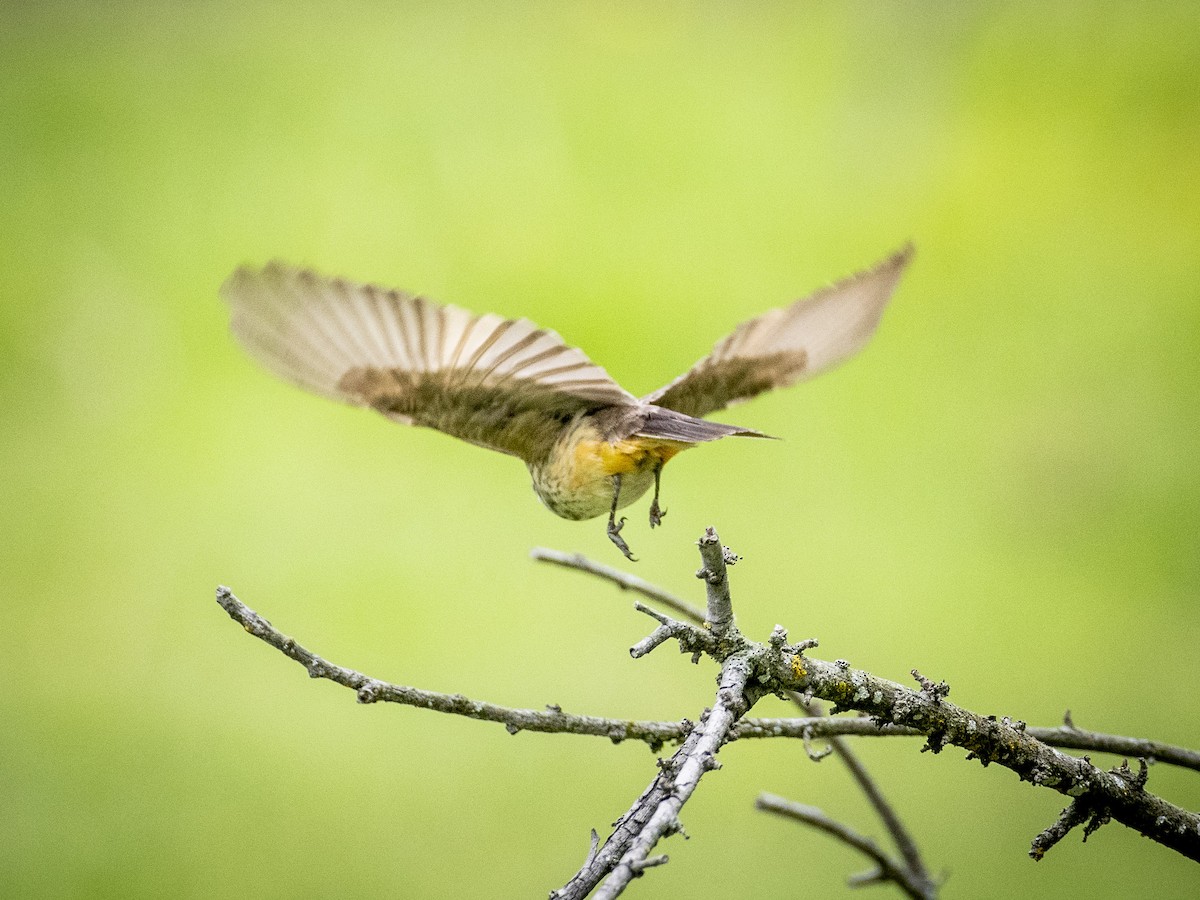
675, 426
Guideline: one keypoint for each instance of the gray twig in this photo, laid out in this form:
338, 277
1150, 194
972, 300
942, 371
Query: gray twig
731, 702
888, 868
372, 690
1075, 814
716, 558
1071, 739
1087, 809
623, 580
655, 814
1076, 739
916, 875
817, 727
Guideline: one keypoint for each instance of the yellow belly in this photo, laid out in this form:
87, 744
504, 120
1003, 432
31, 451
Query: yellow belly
622, 457
577, 481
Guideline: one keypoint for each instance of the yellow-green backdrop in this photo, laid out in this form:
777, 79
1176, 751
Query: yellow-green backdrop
1003, 491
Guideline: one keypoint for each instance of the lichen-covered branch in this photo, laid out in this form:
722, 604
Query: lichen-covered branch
1066, 736
655, 814
1107, 795
684, 775
864, 726
991, 740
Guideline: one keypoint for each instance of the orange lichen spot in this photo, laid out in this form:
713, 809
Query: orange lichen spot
798, 667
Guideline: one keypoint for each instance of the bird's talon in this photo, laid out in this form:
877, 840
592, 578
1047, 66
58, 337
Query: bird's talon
614, 535
656, 514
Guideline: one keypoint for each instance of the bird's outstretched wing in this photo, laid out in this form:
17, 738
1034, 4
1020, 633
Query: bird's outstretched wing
786, 345
501, 383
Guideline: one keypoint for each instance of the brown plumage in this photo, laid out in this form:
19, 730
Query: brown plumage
590, 446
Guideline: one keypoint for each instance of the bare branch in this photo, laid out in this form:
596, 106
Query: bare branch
889, 869
916, 874
655, 815
623, 580
372, 690
731, 703
1076, 739
693, 640
599, 864
1085, 809
660, 635
1066, 736
817, 728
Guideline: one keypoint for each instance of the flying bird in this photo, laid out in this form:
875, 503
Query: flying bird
591, 447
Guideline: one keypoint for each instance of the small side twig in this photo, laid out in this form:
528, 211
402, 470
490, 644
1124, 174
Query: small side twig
917, 876
623, 580
1086, 809
691, 639
1075, 814
887, 868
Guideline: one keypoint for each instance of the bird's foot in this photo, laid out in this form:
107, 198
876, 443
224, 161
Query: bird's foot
614, 535
656, 513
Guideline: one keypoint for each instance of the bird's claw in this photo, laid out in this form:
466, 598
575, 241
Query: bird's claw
614, 535
656, 514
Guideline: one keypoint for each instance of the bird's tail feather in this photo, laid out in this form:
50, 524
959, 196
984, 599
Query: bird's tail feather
674, 426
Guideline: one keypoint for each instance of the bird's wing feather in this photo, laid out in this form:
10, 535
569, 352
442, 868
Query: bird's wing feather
789, 344
501, 383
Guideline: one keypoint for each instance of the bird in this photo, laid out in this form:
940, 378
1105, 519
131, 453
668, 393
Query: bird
590, 446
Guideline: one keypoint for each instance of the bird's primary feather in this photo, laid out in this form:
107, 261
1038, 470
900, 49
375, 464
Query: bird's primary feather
786, 345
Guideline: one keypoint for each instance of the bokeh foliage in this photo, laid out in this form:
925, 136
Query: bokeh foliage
1003, 491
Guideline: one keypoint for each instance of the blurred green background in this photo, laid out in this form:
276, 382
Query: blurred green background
1003, 491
